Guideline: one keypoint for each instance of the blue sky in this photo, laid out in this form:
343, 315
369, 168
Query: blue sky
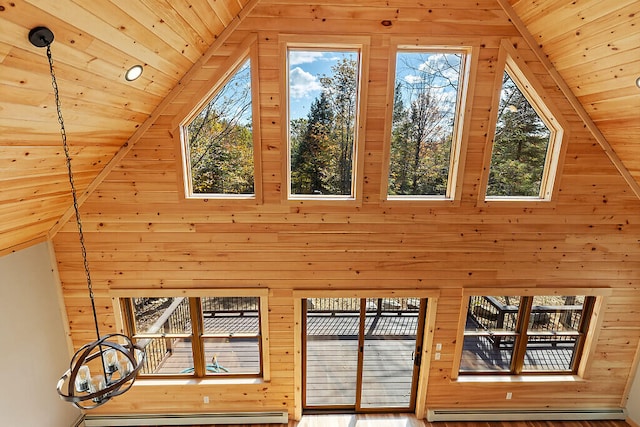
439, 71
305, 69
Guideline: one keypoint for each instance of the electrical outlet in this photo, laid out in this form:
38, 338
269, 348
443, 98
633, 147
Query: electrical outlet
437, 356
438, 346
205, 399
509, 395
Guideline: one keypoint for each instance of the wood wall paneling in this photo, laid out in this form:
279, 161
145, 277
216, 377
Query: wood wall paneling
141, 233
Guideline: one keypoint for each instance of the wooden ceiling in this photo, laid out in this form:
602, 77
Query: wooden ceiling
594, 45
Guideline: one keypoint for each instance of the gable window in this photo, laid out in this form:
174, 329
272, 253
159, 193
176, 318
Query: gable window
323, 94
526, 143
219, 141
426, 125
198, 336
525, 334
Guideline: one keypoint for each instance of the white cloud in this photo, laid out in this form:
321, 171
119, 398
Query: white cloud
438, 61
297, 57
411, 79
302, 83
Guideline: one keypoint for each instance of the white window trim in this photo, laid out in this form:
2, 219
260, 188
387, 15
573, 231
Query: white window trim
326, 43
248, 50
510, 61
470, 49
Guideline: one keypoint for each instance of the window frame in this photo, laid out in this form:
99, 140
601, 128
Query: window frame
589, 326
125, 323
470, 50
511, 62
248, 50
326, 43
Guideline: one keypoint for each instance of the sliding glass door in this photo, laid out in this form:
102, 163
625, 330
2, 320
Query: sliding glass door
360, 354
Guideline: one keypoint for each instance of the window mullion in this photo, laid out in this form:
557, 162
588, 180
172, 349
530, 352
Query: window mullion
585, 317
520, 345
127, 316
197, 346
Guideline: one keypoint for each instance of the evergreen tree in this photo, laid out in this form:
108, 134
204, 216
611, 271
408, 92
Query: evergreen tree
400, 154
310, 162
341, 91
322, 153
520, 146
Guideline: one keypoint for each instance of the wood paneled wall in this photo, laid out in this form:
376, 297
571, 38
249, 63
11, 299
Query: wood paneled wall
141, 232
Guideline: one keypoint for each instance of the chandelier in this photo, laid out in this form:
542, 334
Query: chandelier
107, 367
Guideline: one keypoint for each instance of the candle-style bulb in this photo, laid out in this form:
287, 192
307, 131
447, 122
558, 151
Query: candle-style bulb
96, 384
124, 366
110, 361
82, 379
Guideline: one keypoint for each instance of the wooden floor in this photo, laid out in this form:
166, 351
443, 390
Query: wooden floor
401, 420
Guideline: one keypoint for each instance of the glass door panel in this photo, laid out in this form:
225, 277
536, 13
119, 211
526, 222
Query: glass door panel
331, 353
390, 332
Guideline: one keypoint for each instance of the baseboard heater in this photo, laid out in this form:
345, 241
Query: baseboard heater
525, 414
276, 417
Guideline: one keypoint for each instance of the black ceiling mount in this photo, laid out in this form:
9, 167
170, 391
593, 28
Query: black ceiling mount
40, 36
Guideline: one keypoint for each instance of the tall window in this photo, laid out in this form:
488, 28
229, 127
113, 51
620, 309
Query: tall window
424, 137
527, 140
323, 104
529, 334
219, 141
197, 336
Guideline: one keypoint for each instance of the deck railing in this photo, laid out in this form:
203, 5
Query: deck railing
352, 305
212, 306
175, 319
489, 313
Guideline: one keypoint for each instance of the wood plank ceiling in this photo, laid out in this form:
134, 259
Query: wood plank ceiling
593, 44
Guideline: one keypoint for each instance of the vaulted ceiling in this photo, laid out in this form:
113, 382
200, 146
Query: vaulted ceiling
592, 47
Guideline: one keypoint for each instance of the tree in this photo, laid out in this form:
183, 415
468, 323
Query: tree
519, 147
310, 160
341, 91
423, 121
220, 140
399, 170
322, 153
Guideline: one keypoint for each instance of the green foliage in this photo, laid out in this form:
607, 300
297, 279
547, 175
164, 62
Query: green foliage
519, 148
311, 154
322, 145
422, 128
220, 140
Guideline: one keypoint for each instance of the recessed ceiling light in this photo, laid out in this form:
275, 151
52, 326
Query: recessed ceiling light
638, 82
133, 73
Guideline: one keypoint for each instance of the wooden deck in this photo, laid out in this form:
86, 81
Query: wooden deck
332, 371
332, 352
481, 353
234, 356
332, 360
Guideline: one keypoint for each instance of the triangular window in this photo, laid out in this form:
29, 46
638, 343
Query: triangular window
526, 143
219, 141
